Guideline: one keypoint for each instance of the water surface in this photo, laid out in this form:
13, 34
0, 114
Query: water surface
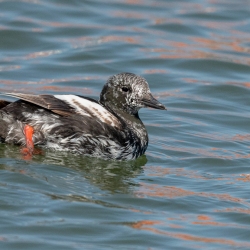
191, 189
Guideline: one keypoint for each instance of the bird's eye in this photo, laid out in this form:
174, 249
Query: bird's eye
125, 89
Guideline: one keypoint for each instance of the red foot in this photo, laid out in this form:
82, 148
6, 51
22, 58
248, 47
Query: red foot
28, 133
29, 150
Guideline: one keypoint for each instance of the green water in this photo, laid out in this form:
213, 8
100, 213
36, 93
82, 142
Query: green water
191, 189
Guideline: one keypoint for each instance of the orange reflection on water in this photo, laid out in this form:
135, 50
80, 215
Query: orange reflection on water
163, 171
48, 81
155, 190
235, 209
128, 39
246, 84
192, 80
3, 27
239, 137
9, 67
129, 14
233, 44
197, 47
45, 85
140, 211
148, 225
135, 2
155, 71
143, 223
216, 153
33, 55
244, 177
175, 226
172, 192
205, 220
66, 89
212, 152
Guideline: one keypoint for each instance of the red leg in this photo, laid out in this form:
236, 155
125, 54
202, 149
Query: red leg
29, 149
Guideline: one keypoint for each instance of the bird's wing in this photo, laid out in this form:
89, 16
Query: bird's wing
49, 102
67, 105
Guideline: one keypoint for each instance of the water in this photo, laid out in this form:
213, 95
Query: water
191, 189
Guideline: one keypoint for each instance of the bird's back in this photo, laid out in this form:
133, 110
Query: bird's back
89, 129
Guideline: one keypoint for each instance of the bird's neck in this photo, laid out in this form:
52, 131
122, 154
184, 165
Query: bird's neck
134, 122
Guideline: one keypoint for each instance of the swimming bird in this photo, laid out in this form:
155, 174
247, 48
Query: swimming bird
109, 128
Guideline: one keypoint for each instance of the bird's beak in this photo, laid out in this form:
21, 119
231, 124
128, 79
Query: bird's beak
151, 102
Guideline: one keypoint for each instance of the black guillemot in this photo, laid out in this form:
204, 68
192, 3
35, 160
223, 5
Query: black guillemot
109, 128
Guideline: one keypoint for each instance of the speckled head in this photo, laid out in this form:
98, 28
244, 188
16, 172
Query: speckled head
128, 92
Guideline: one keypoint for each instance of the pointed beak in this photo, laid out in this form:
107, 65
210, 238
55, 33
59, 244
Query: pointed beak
151, 102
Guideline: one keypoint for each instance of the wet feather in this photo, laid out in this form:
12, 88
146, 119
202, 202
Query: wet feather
109, 128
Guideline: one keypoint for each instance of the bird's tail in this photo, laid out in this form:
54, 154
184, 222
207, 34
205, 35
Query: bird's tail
3, 103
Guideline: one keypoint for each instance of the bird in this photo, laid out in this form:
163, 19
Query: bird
108, 128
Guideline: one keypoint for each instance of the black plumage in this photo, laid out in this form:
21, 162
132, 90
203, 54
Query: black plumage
109, 128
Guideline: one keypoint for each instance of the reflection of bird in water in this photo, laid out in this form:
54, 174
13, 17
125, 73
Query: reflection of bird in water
58, 168
109, 128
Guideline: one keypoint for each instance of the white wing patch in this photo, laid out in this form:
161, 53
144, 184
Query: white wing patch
88, 108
